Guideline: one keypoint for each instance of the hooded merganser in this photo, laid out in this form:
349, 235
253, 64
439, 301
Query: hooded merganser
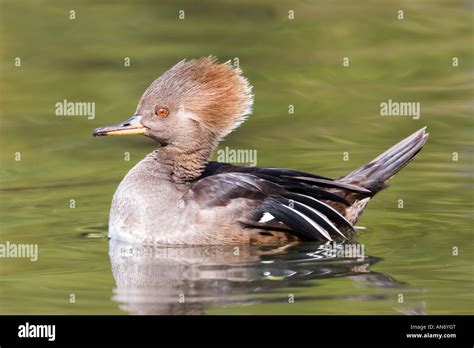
176, 196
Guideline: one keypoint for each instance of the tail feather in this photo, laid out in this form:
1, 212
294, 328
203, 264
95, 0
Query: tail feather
373, 176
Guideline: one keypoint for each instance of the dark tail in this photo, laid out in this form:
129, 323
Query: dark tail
373, 176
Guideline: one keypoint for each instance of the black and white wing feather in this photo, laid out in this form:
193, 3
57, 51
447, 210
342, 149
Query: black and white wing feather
272, 198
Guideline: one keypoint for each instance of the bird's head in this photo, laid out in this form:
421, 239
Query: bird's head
194, 101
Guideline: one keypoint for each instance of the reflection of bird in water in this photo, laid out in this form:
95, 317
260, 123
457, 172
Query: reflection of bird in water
184, 280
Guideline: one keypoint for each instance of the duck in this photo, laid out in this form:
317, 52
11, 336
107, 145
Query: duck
177, 196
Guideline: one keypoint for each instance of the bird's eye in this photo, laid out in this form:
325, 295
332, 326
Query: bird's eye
162, 112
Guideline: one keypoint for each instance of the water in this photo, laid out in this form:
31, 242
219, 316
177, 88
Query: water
408, 251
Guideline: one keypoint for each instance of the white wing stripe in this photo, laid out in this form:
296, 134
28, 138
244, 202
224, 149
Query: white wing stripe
311, 222
321, 215
328, 206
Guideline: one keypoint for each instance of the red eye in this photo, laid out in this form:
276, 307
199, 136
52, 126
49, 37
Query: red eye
162, 112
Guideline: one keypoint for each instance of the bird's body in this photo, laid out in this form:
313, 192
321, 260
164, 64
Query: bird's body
176, 196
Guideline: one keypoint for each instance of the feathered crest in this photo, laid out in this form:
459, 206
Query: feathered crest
217, 93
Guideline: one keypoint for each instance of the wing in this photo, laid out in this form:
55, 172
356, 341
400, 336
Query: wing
282, 175
276, 199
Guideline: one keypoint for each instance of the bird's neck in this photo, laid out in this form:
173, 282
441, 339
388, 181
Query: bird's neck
185, 164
